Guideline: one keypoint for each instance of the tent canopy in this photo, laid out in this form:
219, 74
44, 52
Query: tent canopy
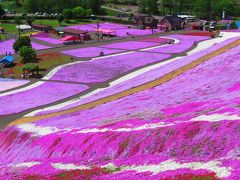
106, 31
70, 38
23, 27
7, 59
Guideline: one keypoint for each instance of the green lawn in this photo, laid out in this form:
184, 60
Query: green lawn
9, 28
54, 22
7, 4
2, 37
45, 62
110, 12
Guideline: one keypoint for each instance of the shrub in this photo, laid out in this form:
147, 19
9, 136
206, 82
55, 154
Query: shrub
28, 54
22, 41
30, 67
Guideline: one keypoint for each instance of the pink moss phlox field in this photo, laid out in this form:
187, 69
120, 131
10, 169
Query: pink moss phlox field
46, 37
177, 94
93, 27
120, 29
105, 69
188, 127
41, 34
131, 45
45, 93
39, 46
6, 46
146, 77
49, 40
6, 84
155, 40
91, 52
186, 42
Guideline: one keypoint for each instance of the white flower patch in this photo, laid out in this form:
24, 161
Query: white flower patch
38, 130
26, 164
23, 89
129, 129
68, 167
213, 166
216, 117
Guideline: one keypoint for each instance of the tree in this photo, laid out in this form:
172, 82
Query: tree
30, 19
2, 12
28, 54
60, 19
95, 5
88, 12
18, 21
20, 42
17, 3
67, 13
79, 12
31, 6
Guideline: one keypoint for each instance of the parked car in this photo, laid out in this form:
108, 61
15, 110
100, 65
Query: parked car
212, 25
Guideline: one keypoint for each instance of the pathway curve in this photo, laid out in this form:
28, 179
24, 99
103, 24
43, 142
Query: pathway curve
134, 90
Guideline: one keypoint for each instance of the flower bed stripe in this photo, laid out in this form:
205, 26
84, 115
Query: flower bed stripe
41, 93
107, 68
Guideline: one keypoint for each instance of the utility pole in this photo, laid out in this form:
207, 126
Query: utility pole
98, 31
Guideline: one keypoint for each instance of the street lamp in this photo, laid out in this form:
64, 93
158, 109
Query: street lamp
98, 31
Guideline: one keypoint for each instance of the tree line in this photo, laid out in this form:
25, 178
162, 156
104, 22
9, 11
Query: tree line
57, 6
208, 9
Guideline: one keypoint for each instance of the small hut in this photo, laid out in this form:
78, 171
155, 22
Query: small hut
144, 21
76, 33
24, 28
43, 28
169, 23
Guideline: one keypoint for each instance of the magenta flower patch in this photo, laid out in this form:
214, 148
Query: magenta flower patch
91, 52
186, 42
6, 84
130, 45
120, 29
105, 69
49, 40
155, 40
43, 94
7, 46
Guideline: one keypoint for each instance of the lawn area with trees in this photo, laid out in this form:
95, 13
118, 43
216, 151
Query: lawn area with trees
43, 61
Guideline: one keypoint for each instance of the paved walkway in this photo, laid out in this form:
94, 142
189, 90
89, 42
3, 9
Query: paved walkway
131, 91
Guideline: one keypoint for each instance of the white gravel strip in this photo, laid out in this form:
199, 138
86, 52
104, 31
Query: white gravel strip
22, 89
